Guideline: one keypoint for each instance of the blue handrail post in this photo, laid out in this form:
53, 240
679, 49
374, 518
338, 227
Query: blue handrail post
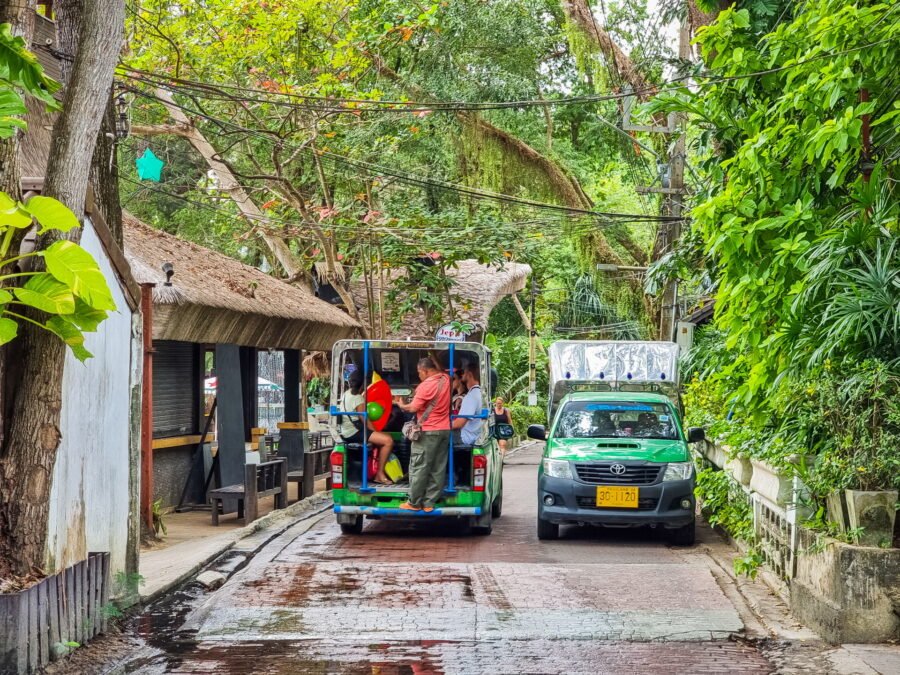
451, 488
365, 422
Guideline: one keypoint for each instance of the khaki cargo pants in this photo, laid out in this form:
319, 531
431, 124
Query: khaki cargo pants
428, 467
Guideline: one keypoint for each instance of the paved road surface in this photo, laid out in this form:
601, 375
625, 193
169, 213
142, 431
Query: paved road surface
424, 599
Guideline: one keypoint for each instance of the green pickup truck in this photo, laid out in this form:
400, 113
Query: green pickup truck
616, 454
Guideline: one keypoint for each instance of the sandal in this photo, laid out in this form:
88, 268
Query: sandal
406, 506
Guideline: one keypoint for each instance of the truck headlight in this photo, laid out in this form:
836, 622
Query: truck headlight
679, 471
557, 468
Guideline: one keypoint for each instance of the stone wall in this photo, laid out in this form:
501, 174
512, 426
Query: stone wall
847, 593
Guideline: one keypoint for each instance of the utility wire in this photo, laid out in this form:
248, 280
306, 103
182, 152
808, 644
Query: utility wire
339, 104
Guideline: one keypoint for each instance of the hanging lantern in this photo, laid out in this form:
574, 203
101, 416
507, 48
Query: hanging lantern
123, 124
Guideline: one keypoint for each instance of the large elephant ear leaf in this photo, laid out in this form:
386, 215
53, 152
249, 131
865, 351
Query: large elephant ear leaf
85, 317
8, 330
69, 334
47, 294
75, 267
51, 214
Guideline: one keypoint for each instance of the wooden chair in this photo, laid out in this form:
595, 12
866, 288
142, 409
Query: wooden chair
260, 480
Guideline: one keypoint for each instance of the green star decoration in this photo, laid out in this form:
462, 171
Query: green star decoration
149, 166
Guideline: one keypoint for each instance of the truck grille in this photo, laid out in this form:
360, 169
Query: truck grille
635, 474
644, 504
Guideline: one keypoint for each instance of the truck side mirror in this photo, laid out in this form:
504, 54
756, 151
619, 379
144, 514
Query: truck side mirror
537, 432
696, 434
503, 431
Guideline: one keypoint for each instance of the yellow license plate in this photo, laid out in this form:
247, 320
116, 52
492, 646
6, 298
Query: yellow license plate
617, 497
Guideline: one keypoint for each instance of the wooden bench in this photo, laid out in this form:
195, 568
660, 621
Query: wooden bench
260, 480
315, 467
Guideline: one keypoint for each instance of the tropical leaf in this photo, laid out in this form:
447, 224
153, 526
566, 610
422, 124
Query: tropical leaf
8, 330
85, 317
69, 334
51, 214
75, 267
5, 296
11, 106
12, 214
47, 294
20, 67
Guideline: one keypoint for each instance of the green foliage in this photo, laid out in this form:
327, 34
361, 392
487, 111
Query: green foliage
782, 155
159, 524
20, 73
748, 564
70, 298
317, 391
725, 504
837, 429
524, 416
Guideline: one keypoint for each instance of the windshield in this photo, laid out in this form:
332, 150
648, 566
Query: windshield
613, 419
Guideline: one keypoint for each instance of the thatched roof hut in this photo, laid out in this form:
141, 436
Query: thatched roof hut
478, 288
216, 299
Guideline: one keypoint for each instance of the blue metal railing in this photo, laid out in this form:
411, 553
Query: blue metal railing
334, 411
451, 487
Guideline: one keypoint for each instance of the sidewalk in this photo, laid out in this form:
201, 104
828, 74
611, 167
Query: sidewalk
193, 542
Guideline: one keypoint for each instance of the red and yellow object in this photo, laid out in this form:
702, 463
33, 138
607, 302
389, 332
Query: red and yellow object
378, 402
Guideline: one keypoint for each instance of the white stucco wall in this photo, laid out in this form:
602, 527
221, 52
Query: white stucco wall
89, 502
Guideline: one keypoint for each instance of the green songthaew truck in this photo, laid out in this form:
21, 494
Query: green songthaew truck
616, 452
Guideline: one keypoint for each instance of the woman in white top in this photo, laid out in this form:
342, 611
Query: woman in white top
351, 426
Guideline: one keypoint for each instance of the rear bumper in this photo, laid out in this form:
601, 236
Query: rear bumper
394, 512
572, 498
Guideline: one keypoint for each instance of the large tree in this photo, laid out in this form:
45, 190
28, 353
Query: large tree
92, 31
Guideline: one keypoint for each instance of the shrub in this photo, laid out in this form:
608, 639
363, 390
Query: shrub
525, 415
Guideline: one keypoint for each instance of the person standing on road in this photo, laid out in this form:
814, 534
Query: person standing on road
501, 416
428, 457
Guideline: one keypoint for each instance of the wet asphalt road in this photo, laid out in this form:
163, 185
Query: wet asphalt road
425, 599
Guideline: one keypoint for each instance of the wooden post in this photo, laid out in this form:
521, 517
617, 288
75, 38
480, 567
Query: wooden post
251, 499
308, 486
281, 499
147, 410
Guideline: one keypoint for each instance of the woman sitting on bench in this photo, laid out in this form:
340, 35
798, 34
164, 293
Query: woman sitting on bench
351, 426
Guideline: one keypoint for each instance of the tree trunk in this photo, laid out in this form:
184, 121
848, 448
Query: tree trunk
580, 16
20, 15
31, 446
105, 175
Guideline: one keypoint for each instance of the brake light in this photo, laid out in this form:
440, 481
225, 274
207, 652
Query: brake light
337, 470
479, 472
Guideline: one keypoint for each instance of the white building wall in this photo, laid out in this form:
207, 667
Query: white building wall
89, 501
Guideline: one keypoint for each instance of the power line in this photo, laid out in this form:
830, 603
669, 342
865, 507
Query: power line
405, 177
406, 106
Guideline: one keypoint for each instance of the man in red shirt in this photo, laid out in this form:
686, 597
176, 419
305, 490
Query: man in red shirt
428, 457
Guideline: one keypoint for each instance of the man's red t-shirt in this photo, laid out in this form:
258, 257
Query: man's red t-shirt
439, 417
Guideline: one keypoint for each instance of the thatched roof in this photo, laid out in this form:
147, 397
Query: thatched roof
478, 287
216, 299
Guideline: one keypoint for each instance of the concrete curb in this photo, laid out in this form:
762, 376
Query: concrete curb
273, 524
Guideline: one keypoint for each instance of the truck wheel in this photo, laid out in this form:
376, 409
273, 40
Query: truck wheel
682, 536
497, 506
356, 527
483, 525
547, 530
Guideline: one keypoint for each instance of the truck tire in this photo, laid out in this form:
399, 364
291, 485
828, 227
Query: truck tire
483, 525
547, 530
356, 527
497, 506
683, 536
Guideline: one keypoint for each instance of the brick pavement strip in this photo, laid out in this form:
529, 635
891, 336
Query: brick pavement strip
421, 599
